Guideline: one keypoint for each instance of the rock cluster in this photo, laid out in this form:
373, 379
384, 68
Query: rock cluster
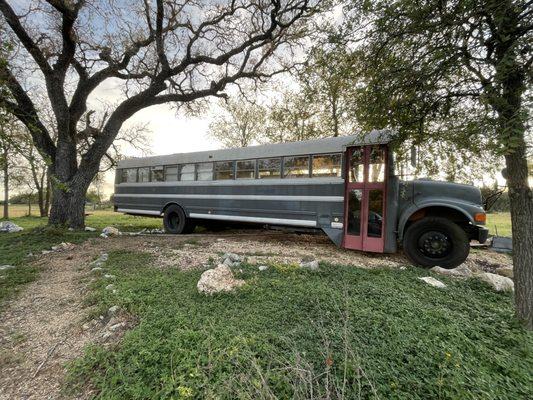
65, 246
501, 281
231, 259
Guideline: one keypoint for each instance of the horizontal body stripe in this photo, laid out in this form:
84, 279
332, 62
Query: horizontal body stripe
239, 182
136, 211
234, 197
262, 220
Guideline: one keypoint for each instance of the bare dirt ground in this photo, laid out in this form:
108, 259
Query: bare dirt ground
45, 325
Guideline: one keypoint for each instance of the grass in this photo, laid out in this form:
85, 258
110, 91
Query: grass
15, 247
499, 223
339, 332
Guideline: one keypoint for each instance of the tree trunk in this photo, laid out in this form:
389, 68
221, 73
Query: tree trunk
506, 100
521, 202
6, 186
68, 191
68, 207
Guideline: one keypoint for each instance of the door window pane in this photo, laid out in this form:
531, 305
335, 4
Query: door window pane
296, 167
327, 165
171, 173
131, 175
224, 170
144, 174
187, 172
375, 213
246, 169
354, 211
204, 171
357, 165
269, 168
158, 174
376, 165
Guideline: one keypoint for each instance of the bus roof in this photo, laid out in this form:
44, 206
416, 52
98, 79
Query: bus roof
315, 146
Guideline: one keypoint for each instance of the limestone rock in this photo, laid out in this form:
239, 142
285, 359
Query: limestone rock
219, 279
89, 229
433, 282
113, 310
9, 227
505, 271
263, 267
498, 282
461, 271
311, 265
110, 231
63, 246
6, 267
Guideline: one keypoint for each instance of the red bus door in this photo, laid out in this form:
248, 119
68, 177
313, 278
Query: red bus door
364, 198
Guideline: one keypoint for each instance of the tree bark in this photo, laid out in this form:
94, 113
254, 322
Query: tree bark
521, 202
68, 197
506, 99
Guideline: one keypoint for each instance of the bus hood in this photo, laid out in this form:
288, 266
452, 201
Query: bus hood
425, 190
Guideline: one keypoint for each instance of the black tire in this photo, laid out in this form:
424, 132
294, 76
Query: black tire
174, 220
435, 241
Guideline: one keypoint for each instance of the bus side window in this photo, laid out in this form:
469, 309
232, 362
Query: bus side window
204, 171
296, 167
131, 175
122, 176
269, 168
187, 172
144, 174
327, 165
171, 173
246, 169
158, 174
224, 170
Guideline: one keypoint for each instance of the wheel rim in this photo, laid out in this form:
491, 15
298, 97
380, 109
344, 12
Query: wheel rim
173, 220
435, 244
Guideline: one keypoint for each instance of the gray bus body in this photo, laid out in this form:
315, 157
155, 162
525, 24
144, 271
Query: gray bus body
244, 192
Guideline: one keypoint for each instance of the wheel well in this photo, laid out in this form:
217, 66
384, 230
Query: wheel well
439, 211
173, 204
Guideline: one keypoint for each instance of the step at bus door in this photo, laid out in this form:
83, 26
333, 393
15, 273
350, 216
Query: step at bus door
364, 198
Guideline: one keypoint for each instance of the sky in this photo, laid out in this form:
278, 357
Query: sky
170, 132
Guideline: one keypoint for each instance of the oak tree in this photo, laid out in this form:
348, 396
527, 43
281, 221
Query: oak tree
161, 51
461, 71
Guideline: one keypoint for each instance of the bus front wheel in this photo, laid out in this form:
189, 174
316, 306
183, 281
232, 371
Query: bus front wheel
176, 222
435, 241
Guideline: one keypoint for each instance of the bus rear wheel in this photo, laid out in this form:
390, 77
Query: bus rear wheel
176, 222
435, 241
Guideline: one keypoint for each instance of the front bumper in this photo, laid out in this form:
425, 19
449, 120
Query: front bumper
481, 234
